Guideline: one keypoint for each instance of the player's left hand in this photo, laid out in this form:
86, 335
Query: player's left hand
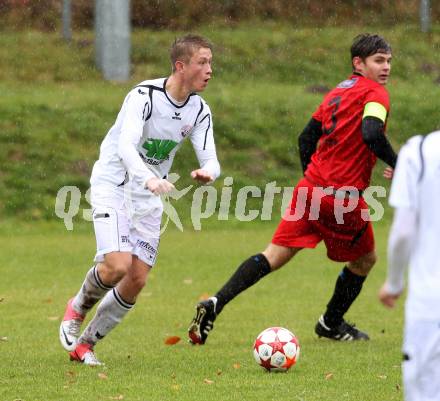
202, 176
388, 173
389, 300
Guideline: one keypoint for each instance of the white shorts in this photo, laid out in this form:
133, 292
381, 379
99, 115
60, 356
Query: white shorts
123, 225
421, 365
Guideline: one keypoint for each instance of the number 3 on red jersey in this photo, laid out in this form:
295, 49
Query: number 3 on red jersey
334, 102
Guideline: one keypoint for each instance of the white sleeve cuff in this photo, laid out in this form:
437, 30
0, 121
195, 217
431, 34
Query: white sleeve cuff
212, 166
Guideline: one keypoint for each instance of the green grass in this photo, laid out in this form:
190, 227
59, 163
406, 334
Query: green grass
55, 108
43, 265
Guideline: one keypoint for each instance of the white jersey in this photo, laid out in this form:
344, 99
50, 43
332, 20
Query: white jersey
148, 131
416, 188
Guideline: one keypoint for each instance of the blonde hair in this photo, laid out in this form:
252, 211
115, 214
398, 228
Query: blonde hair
183, 48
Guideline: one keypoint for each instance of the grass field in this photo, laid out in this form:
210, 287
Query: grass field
54, 112
42, 265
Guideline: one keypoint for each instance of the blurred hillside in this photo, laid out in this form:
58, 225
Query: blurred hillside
268, 78
185, 14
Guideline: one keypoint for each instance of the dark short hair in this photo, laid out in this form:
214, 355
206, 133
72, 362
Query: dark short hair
183, 48
366, 44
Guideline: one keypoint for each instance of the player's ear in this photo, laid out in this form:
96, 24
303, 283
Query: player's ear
179, 66
357, 61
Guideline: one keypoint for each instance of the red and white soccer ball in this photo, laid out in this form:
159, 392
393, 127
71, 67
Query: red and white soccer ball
276, 349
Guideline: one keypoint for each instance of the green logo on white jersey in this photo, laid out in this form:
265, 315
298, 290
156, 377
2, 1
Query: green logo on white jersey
159, 149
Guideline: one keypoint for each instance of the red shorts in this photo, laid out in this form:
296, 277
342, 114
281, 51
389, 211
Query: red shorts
314, 215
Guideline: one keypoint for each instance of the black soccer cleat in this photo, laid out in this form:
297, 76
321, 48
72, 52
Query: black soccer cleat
203, 321
343, 332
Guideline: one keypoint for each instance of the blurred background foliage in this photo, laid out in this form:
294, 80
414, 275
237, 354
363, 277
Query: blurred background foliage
184, 14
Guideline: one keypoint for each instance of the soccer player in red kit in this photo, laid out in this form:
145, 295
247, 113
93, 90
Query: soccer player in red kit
338, 150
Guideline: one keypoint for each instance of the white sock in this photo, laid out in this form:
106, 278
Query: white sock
214, 300
110, 313
91, 291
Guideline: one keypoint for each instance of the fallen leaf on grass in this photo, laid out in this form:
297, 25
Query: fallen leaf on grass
3, 338
71, 378
219, 372
172, 340
328, 376
236, 365
53, 318
118, 397
398, 387
208, 381
188, 281
204, 296
102, 376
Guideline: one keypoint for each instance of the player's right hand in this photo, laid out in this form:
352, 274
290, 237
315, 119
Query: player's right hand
387, 298
159, 186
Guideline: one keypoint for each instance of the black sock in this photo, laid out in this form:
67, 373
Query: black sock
248, 273
347, 288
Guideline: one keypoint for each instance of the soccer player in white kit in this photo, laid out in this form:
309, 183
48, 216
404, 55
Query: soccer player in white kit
415, 240
126, 183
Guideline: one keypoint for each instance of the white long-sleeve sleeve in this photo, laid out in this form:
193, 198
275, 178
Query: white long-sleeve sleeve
402, 236
202, 139
136, 109
404, 230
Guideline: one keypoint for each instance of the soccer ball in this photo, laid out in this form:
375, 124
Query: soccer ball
276, 349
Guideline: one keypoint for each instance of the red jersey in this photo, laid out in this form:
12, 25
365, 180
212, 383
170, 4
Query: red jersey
342, 158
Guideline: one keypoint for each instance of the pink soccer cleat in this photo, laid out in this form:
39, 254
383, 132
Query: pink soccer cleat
70, 327
83, 353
